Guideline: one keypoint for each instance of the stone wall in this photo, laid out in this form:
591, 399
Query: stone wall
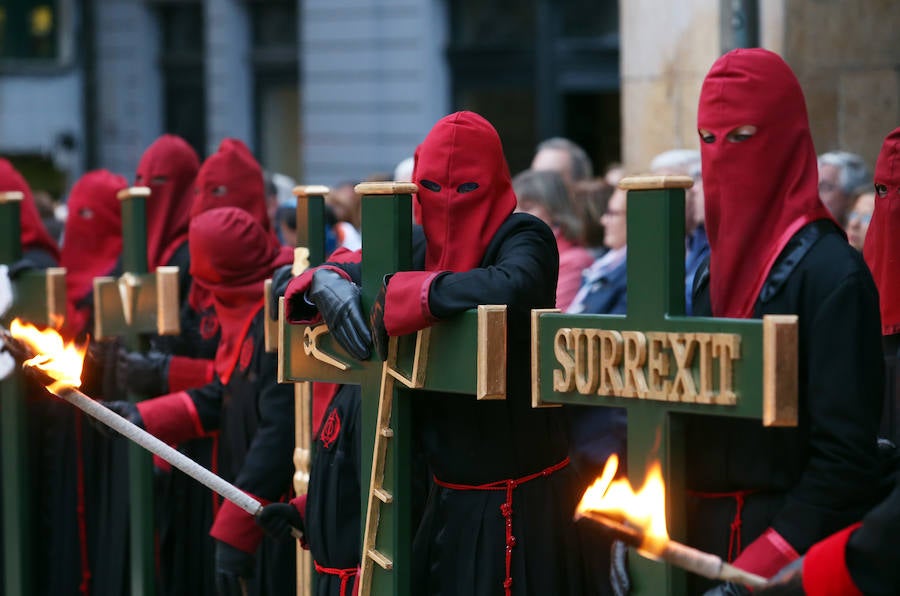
846, 55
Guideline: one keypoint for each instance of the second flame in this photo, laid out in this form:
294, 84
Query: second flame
644, 509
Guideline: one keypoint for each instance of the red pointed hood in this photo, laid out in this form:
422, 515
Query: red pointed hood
231, 257
92, 241
231, 177
168, 167
465, 192
761, 191
882, 248
34, 234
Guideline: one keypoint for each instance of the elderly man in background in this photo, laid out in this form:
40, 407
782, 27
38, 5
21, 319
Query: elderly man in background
840, 174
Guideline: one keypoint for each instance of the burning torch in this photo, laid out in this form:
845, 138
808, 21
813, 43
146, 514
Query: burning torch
58, 366
639, 520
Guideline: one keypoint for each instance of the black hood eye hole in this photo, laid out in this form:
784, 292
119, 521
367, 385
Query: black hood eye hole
86, 213
159, 180
220, 191
467, 187
432, 186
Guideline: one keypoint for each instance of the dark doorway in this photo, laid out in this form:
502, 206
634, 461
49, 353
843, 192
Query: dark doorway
539, 69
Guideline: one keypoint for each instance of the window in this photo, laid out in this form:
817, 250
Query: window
35, 32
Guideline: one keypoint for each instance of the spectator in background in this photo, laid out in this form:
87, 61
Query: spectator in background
859, 217
613, 173
346, 206
544, 195
565, 157
603, 287
686, 162
404, 170
840, 173
589, 199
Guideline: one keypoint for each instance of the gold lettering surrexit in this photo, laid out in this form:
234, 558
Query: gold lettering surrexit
647, 365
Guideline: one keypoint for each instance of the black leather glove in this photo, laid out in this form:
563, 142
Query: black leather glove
142, 374
126, 410
277, 520
376, 322
338, 302
788, 581
21, 266
233, 568
280, 280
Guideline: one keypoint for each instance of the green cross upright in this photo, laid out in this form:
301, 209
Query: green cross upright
470, 350
309, 252
133, 307
39, 298
660, 364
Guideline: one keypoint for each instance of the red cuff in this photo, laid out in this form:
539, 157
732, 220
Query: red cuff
296, 290
766, 555
172, 418
406, 307
188, 373
237, 528
161, 464
825, 567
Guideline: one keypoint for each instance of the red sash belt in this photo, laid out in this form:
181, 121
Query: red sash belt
506, 508
344, 574
734, 537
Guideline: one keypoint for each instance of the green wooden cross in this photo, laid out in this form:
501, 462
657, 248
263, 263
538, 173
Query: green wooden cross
658, 363
39, 298
307, 353
133, 307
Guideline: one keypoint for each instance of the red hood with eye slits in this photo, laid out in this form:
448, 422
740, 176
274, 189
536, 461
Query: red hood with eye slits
759, 192
461, 149
169, 206
882, 248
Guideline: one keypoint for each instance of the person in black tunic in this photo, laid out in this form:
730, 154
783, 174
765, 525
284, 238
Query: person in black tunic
757, 496
231, 256
328, 513
499, 518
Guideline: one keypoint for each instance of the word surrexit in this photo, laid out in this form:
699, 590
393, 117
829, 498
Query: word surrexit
647, 365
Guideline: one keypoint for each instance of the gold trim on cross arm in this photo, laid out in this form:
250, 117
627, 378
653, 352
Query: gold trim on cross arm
536, 401
780, 370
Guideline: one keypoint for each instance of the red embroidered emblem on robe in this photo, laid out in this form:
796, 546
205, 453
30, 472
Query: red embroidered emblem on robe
246, 353
330, 430
209, 325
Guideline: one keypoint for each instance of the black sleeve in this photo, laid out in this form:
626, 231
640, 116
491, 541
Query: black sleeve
844, 376
872, 556
208, 403
268, 466
522, 276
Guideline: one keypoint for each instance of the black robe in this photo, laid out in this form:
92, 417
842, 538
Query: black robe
254, 416
332, 519
183, 506
810, 481
461, 543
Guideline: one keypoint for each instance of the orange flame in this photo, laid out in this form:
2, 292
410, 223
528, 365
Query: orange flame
644, 509
62, 362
